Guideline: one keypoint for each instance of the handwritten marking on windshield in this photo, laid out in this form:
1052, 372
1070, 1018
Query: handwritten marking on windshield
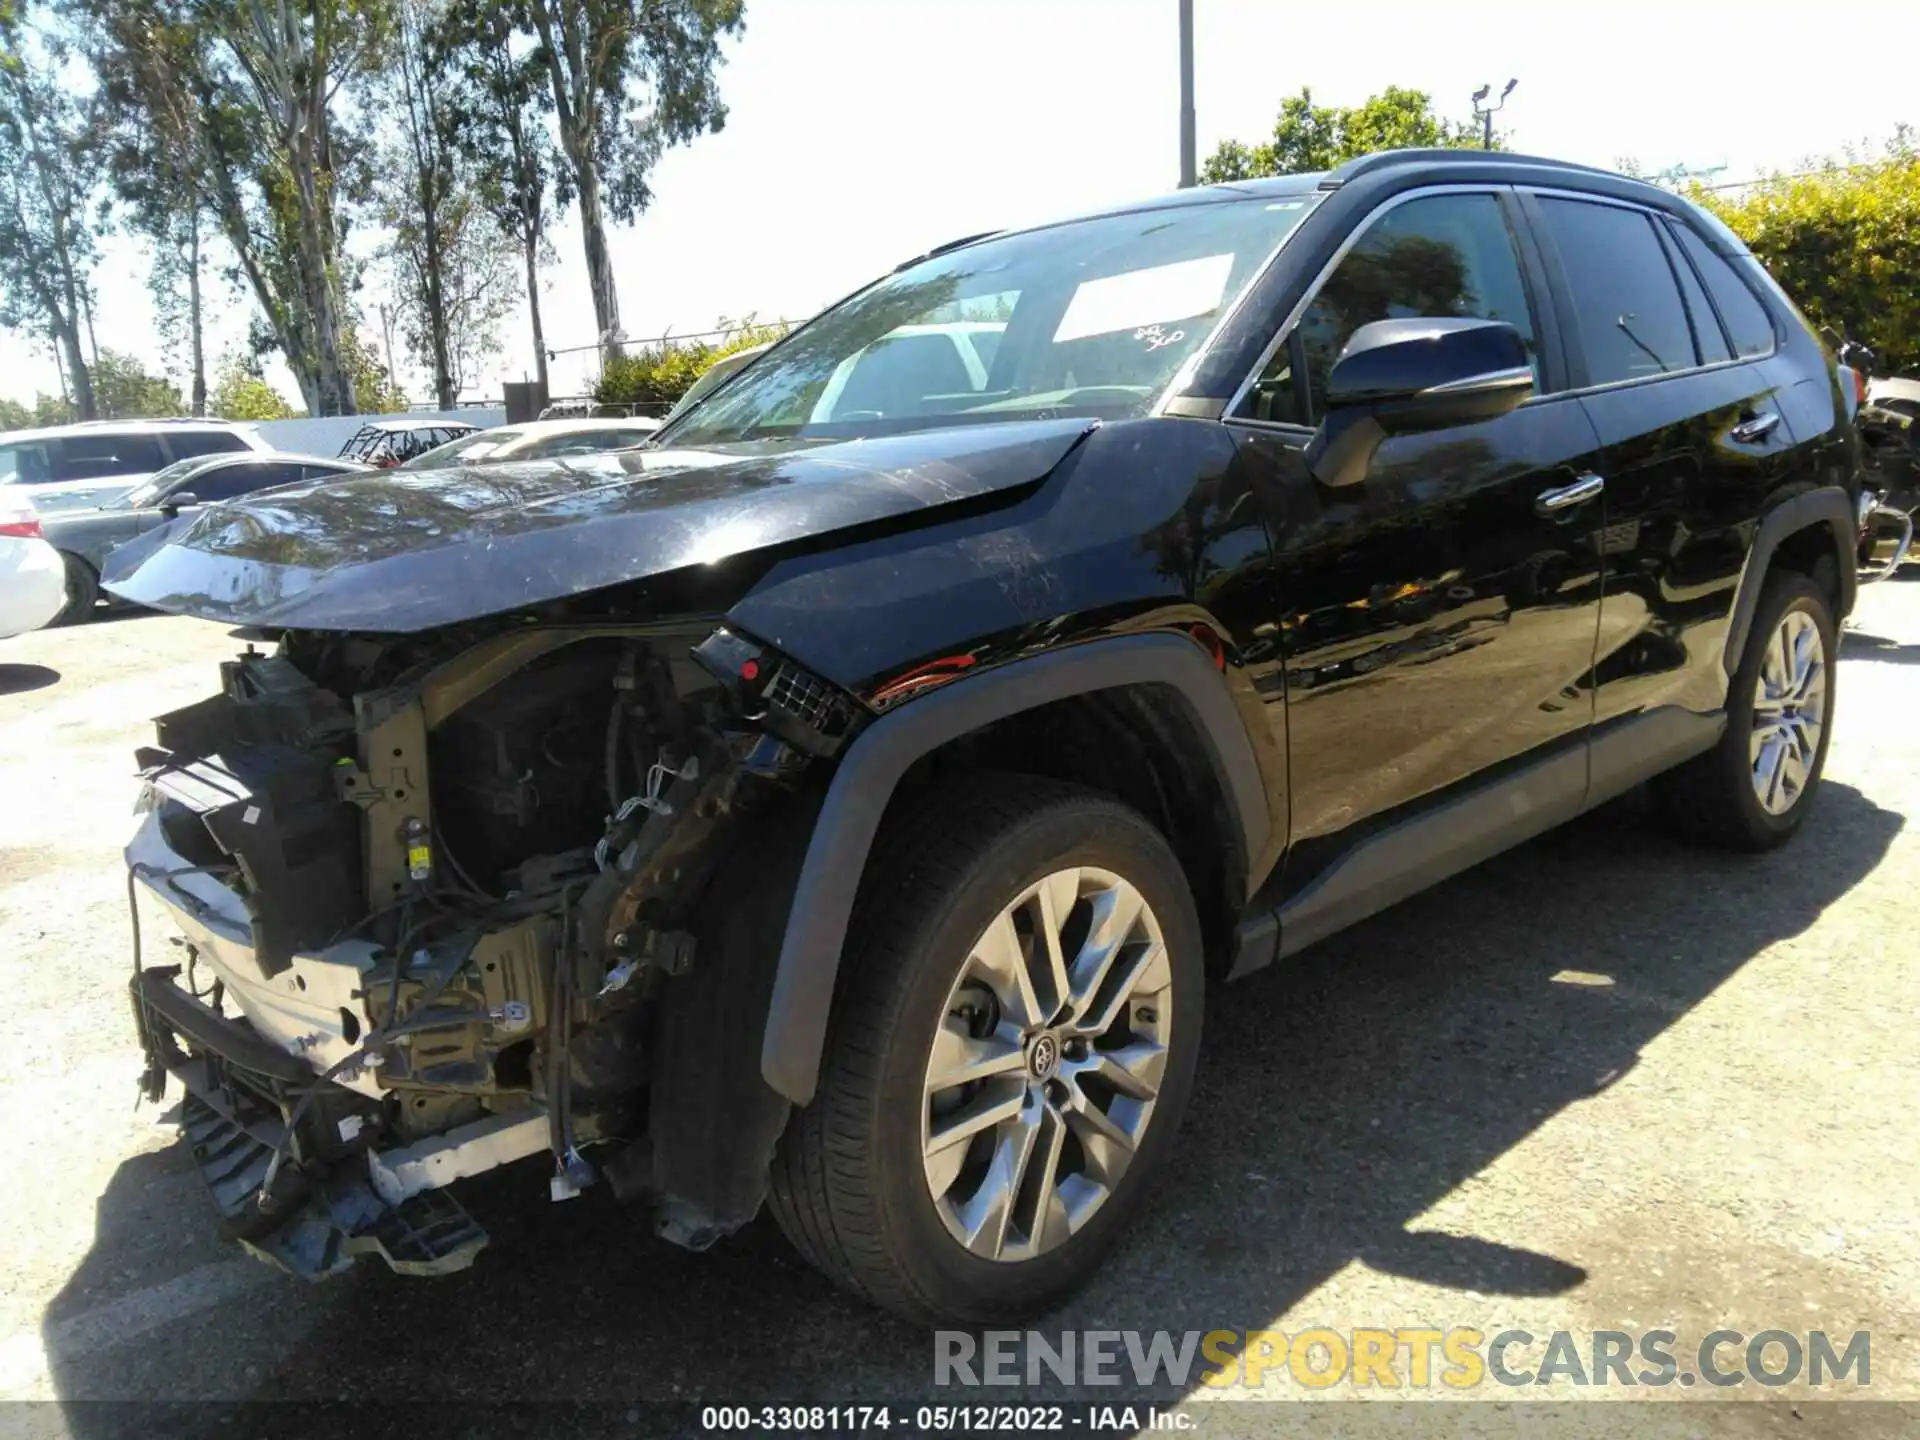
1158, 338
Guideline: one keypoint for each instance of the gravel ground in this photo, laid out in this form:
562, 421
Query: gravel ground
1602, 1082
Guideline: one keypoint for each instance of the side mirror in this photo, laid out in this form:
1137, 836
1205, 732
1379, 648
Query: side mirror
1398, 377
178, 501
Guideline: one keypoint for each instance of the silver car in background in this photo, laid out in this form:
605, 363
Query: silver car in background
83, 538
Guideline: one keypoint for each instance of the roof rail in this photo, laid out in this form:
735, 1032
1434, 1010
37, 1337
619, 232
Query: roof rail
1386, 159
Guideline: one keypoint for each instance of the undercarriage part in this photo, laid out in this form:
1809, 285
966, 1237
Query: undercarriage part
429, 1233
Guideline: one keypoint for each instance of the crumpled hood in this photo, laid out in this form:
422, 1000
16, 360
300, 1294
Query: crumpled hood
401, 551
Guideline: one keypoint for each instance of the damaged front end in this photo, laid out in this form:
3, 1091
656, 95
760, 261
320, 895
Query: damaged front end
452, 899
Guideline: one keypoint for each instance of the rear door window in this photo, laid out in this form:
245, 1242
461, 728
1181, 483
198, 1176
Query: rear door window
184, 444
230, 482
98, 456
1746, 317
1627, 311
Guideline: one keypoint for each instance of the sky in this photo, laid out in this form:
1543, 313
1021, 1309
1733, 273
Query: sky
862, 132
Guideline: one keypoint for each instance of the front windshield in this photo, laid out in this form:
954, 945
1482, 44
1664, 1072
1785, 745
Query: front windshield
467, 450
144, 495
1092, 317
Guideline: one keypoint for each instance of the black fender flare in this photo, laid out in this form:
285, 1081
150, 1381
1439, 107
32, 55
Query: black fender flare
863, 784
1828, 505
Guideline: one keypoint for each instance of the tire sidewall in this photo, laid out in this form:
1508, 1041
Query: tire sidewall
1783, 596
938, 1265
82, 589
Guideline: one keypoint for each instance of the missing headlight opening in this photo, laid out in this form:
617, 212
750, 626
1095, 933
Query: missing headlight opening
434, 891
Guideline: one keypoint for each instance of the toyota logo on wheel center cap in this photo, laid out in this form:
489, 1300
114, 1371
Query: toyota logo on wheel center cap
1043, 1057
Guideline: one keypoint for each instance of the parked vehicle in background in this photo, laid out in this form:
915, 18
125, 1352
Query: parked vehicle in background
536, 440
84, 538
1886, 411
844, 814
32, 580
714, 376
384, 444
76, 467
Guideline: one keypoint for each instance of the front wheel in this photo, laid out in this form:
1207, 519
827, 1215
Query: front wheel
1013, 1043
1752, 790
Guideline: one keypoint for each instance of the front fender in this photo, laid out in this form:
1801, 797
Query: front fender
873, 765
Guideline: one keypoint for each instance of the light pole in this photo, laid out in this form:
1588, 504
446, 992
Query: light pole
1484, 112
1188, 173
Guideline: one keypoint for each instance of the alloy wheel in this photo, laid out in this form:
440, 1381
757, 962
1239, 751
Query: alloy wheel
1789, 709
1046, 1064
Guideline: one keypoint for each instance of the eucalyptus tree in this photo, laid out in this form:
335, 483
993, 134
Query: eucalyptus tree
50, 167
629, 79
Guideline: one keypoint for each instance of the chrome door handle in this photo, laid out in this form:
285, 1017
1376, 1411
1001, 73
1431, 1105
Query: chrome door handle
1758, 428
1587, 487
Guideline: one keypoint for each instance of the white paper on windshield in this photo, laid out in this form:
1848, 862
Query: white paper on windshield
1145, 297
480, 451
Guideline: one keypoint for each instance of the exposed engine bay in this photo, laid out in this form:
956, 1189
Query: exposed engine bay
434, 893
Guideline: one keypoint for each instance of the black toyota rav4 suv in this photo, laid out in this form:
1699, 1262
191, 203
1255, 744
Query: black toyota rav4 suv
842, 803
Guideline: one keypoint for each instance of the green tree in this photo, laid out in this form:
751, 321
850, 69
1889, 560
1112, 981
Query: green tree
157, 165
658, 375
124, 390
503, 113
1310, 137
1844, 242
453, 275
252, 87
45, 410
379, 392
242, 393
630, 79
50, 163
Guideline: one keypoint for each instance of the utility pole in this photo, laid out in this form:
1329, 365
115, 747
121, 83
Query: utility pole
1189, 174
1484, 112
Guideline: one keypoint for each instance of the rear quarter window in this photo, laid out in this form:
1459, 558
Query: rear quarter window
1747, 319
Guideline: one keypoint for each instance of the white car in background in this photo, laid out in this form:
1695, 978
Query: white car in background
33, 582
537, 440
85, 465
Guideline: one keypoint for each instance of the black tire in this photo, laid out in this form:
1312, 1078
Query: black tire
83, 591
1712, 797
848, 1185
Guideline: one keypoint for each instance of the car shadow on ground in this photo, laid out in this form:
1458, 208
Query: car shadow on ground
1341, 1096
19, 679
1865, 645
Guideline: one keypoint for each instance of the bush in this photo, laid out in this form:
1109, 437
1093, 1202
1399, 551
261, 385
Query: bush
1845, 244
658, 375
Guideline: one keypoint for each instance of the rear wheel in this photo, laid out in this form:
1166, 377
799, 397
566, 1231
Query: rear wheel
1753, 789
1013, 1044
83, 591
